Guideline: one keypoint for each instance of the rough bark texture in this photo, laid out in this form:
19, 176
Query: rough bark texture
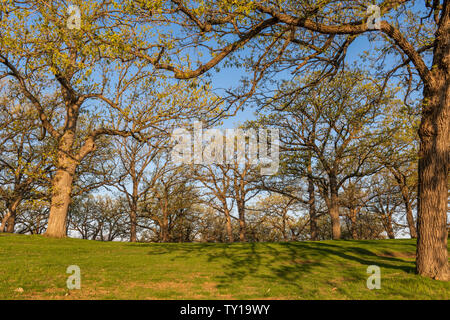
434, 133
432, 253
353, 227
242, 227
61, 197
229, 229
62, 188
334, 210
133, 224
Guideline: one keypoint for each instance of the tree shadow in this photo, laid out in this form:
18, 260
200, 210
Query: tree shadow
284, 263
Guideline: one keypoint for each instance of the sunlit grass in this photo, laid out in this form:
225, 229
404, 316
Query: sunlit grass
296, 270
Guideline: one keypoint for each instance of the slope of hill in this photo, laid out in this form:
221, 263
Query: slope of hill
34, 267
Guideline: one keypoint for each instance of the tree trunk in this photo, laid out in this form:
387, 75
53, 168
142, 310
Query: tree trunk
354, 230
62, 188
312, 207
5, 221
434, 158
164, 232
285, 237
11, 223
389, 228
432, 253
134, 202
133, 212
242, 227
165, 221
401, 180
9, 220
60, 201
133, 223
62, 183
334, 210
229, 228
410, 219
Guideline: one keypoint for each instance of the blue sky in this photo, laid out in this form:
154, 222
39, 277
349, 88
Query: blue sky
230, 77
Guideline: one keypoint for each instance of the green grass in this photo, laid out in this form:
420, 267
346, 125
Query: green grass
300, 270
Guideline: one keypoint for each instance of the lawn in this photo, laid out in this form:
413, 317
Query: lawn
34, 267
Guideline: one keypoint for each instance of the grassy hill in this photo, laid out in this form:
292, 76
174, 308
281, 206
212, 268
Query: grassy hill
300, 270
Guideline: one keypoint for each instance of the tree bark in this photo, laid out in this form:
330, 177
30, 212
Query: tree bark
410, 217
165, 221
133, 224
60, 201
242, 226
432, 255
284, 217
11, 223
133, 208
389, 228
434, 158
401, 181
5, 221
9, 220
229, 228
354, 230
62, 185
312, 207
334, 210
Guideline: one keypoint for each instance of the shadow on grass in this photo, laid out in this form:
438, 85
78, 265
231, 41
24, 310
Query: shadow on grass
285, 263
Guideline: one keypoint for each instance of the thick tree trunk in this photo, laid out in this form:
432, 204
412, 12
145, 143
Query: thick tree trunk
11, 223
335, 221
133, 224
229, 228
242, 237
354, 230
434, 158
61, 198
432, 260
334, 210
164, 232
62, 189
62, 183
242, 226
